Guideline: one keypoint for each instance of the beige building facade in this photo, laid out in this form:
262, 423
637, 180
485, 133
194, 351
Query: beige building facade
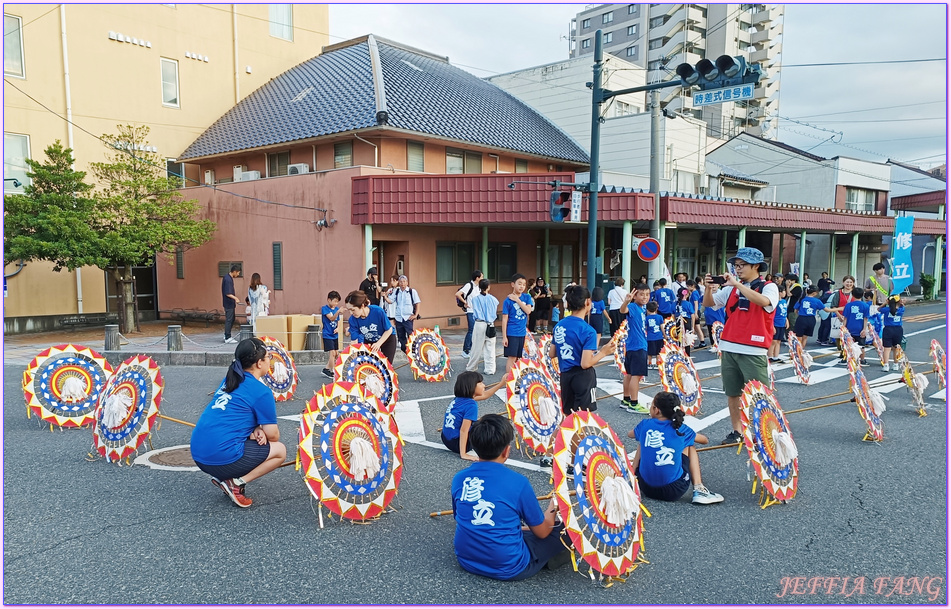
75, 72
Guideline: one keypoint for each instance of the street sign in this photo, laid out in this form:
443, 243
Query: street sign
648, 249
576, 206
718, 96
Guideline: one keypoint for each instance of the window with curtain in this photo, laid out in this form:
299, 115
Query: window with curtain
277, 163
281, 18
16, 150
414, 156
12, 47
170, 83
343, 154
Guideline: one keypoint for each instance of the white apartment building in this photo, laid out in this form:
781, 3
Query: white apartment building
658, 37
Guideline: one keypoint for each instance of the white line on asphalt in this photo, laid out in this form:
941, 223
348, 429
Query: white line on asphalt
817, 376
701, 424
927, 330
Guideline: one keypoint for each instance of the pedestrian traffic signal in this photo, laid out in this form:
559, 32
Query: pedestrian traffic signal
725, 72
560, 205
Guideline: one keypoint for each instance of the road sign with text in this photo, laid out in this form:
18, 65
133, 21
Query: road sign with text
727, 94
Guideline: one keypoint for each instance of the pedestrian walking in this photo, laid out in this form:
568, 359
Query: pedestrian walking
229, 300
615, 300
462, 301
258, 300
406, 303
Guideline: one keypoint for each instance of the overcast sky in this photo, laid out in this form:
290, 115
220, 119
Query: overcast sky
896, 111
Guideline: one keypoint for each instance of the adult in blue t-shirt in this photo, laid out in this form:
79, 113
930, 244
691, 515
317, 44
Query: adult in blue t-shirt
236, 439
369, 325
490, 502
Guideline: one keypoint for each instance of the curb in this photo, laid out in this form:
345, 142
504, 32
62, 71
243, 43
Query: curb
206, 358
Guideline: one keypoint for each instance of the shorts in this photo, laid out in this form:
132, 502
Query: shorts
892, 336
780, 334
516, 346
254, 455
541, 551
736, 370
577, 389
669, 492
453, 444
330, 344
654, 347
805, 325
635, 362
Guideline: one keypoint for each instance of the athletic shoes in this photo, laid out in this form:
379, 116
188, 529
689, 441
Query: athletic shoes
465, 355
625, 402
637, 408
896, 366
328, 373
703, 496
231, 340
733, 438
884, 367
233, 491
546, 462
774, 359
702, 344
863, 362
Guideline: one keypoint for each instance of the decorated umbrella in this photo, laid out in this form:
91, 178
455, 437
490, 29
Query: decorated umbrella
715, 334
550, 363
603, 519
852, 350
349, 452
428, 355
768, 440
876, 341
940, 362
800, 359
870, 407
534, 405
530, 348
373, 372
62, 385
620, 346
282, 377
678, 375
673, 331
127, 408
915, 381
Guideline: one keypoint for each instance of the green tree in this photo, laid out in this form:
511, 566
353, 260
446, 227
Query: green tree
138, 212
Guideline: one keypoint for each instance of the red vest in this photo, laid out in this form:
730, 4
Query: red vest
753, 327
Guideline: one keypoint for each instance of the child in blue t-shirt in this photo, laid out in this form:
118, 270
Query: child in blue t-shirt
635, 351
874, 316
665, 298
516, 308
330, 315
490, 502
575, 344
655, 335
780, 325
462, 412
856, 314
666, 461
807, 308
892, 331
597, 314
687, 313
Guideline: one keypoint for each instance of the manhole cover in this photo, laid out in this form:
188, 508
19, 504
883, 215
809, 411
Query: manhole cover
175, 457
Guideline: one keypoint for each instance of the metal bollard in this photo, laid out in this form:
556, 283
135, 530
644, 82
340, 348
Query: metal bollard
112, 338
174, 338
247, 331
312, 342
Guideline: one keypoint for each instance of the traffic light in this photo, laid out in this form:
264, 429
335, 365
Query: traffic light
560, 205
725, 72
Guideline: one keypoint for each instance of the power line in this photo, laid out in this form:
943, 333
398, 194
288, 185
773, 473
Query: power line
862, 63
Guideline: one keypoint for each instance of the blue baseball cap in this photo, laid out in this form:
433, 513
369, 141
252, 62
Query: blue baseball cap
750, 255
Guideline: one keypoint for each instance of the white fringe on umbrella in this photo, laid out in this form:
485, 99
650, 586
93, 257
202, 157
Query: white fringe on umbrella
878, 402
279, 372
618, 500
855, 350
374, 384
689, 338
786, 449
433, 357
74, 390
688, 383
547, 410
921, 381
115, 409
364, 462
806, 360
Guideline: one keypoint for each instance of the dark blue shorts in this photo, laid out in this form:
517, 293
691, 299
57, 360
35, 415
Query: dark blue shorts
892, 335
654, 346
516, 345
805, 325
635, 362
331, 344
780, 334
254, 455
669, 492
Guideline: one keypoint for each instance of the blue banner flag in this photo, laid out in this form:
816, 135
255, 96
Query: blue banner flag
902, 269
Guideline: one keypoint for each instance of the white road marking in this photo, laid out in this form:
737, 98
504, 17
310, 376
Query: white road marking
941, 395
817, 376
926, 330
409, 420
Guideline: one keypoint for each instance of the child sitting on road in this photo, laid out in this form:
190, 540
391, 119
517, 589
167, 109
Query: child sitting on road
661, 438
489, 503
463, 411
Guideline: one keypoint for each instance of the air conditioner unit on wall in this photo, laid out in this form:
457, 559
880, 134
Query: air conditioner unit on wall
249, 175
209, 176
297, 168
238, 170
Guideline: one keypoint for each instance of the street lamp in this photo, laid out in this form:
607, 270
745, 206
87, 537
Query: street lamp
16, 182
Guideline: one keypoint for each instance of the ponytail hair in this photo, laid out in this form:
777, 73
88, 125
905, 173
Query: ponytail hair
669, 406
893, 304
248, 352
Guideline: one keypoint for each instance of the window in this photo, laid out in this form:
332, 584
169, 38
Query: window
632, 52
607, 17
343, 154
175, 172
414, 156
277, 163
586, 43
655, 44
608, 37
632, 30
586, 23
224, 267
521, 166
12, 47
170, 83
16, 150
631, 9
462, 161
859, 199
179, 262
657, 22
281, 18
454, 262
655, 65
277, 249
503, 262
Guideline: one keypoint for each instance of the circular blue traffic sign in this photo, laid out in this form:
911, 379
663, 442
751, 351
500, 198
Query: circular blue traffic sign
648, 249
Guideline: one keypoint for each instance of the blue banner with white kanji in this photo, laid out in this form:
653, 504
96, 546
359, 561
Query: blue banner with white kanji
903, 273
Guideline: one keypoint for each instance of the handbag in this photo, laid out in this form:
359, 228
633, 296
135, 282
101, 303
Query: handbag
490, 332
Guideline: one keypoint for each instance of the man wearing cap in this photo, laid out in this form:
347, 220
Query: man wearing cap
371, 286
749, 303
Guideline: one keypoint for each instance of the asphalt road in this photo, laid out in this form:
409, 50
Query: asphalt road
79, 531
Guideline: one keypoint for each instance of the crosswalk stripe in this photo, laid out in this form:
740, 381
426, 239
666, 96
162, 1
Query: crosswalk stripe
817, 376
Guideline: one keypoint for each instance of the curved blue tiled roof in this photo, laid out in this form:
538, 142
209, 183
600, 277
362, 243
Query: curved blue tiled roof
335, 93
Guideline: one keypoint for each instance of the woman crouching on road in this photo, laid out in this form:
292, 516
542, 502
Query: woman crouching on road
237, 439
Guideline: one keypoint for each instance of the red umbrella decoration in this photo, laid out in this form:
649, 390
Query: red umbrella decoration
550, 363
679, 375
870, 409
852, 350
620, 346
281, 378
800, 359
63, 384
530, 348
373, 372
768, 440
428, 355
598, 497
715, 334
128, 408
349, 452
940, 363
534, 404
